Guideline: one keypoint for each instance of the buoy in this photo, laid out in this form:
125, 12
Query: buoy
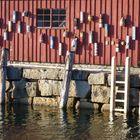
60, 49
5, 35
90, 37
9, 26
100, 21
51, 42
95, 49
127, 42
133, 33
14, 17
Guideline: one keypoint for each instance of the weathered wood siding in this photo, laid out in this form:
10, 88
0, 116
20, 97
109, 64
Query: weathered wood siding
26, 47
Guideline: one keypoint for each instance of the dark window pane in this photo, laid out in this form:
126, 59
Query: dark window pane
55, 24
62, 17
62, 24
46, 11
46, 17
40, 24
55, 18
39, 11
39, 17
63, 11
55, 11
46, 24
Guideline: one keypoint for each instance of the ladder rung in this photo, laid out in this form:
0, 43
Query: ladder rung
119, 100
120, 82
120, 91
119, 109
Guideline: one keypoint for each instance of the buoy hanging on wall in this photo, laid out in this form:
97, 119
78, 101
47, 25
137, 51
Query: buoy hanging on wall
106, 26
9, 26
90, 37
14, 16
51, 42
42, 38
100, 21
90, 18
65, 34
5, 35
19, 27
117, 46
26, 13
74, 44
127, 42
95, 49
81, 17
122, 22
133, 33
76, 23
28, 28
60, 49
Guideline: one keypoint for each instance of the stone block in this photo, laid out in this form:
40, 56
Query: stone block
100, 94
14, 73
53, 102
31, 89
97, 78
79, 89
50, 74
49, 87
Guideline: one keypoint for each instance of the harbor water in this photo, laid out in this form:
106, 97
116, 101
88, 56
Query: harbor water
20, 122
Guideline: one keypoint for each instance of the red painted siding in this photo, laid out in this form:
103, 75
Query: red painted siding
26, 47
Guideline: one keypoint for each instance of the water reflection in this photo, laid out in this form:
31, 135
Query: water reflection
44, 123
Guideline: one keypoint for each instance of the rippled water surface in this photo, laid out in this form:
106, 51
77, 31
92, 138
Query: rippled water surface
42, 123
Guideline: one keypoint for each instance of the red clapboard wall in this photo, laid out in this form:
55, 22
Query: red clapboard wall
26, 47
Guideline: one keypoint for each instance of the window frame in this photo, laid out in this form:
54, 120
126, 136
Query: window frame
51, 16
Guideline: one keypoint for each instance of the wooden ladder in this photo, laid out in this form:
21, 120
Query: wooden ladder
120, 88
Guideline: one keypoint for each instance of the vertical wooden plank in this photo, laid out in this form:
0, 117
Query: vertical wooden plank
108, 20
114, 10
102, 33
30, 45
98, 10
83, 50
88, 46
48, 5
20, 34
77, 15
35, 32
92, 28
137, 24
66, 41
52, 51
42, 45
124, 30
119, 32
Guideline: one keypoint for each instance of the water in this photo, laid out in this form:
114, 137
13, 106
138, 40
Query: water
21, 122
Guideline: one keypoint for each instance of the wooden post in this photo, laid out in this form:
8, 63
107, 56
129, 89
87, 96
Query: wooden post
4, 55
113, 84
127, 84
67, 79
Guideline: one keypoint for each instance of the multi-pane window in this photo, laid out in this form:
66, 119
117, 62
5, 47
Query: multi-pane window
51, 18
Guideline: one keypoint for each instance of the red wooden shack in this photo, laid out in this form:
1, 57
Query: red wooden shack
43, 30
